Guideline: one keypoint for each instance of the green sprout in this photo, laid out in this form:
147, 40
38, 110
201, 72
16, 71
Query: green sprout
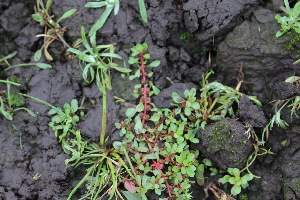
111, 5
10, 103
236, 180
99, 61
291, 21
53, 30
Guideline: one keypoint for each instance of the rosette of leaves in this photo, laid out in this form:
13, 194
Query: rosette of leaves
236, 180
65, 120
10, 102
291, 21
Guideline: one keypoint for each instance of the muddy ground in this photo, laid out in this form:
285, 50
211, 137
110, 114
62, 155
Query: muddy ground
232, 33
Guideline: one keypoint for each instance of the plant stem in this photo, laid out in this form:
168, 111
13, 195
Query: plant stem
103, 130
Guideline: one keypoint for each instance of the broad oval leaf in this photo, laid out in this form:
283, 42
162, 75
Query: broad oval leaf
129, 185
37, 17
7, 115
155, 63
130, 112
37, 56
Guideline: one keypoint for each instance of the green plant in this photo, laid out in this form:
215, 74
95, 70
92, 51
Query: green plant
65, 120
4, 59
158, 138
279, 105
186, 36
11, 102
53, 30
111, 5
40, 65
98, 61
236, 180
291, 21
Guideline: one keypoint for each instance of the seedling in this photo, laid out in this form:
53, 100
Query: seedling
111, 5
99, 61
53, 30
280, 104
291, 21
4, 59
237, 181
10, 103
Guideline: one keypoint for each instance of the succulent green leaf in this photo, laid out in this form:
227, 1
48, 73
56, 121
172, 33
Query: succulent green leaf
37, 17
235, 190
130, 112
155, 63
37, 56
143, 11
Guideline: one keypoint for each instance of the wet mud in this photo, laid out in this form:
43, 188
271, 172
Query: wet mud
189, 37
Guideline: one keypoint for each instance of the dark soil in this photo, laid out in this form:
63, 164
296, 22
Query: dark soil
222, 36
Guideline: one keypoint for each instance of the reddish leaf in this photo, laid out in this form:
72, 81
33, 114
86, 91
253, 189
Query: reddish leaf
129, 185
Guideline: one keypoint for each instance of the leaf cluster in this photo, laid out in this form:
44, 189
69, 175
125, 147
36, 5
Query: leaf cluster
64, 120
236, 180
10, 101
53, 30
280, 105
291, 21
98, 61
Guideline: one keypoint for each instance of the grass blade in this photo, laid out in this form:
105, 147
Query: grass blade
67, 14
143, 11
101, 20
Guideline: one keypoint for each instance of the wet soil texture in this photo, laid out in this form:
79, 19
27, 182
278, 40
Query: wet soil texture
189, 37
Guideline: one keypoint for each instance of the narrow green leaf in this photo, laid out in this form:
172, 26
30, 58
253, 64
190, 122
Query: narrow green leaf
67, 14
122, 69
101, 20
143, 10
42, 65
117, 7
95, 4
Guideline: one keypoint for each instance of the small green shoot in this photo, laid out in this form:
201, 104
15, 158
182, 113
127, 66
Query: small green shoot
99, 61
291, 21
10, 102
237, 181
53, 30
110, 6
